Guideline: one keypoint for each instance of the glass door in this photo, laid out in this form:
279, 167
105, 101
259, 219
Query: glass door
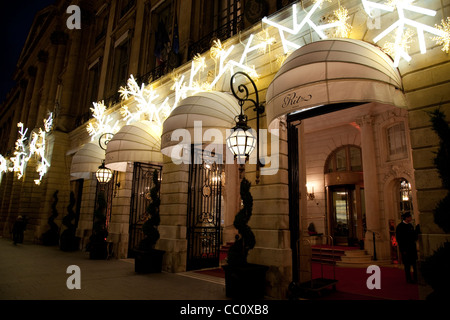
344, 217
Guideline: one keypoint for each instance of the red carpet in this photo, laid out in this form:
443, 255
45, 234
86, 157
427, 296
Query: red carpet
353, 281
352, 285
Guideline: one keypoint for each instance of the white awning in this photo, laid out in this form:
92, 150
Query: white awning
333, 71
87, 160
137, 142
211, 112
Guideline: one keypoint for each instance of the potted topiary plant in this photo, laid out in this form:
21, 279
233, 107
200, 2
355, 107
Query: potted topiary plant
51, 237
98, 246
434, 269
147, 258
69, 241
244, 280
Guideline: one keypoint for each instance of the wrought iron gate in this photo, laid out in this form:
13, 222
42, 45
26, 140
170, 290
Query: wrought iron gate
140, 197
204, 211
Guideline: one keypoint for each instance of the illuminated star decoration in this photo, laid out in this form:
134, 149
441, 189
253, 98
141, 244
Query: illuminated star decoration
101, 123
401, 26
340, 23
444, 39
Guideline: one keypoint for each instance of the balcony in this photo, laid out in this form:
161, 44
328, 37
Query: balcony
222, 33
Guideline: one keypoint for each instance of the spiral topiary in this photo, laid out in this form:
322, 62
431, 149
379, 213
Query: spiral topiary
245, 241
150, 227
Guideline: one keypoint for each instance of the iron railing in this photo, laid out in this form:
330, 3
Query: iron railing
222, 33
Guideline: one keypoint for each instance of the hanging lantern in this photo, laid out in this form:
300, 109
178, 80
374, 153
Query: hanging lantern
241, 142
103, 174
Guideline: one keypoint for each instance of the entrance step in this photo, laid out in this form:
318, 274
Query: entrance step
355, 258
326, 255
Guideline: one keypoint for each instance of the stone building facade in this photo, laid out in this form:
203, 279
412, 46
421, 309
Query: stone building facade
352, 148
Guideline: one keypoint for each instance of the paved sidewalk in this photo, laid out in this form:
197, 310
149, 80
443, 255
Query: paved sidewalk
34, 272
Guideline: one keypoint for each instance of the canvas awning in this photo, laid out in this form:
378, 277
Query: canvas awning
137, 142
87, 160
333, 71
212, 113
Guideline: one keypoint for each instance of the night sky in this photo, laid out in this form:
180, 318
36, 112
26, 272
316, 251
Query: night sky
16, 18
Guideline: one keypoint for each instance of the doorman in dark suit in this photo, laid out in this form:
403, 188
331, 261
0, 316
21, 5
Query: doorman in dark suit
406, 239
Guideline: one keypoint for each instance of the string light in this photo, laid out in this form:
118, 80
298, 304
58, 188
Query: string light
343, 28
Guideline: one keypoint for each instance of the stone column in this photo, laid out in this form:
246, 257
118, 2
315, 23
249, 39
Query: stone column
371, 193
17, 113
173, 211
66, 115
36, 98
59, 39
270, 220
137, 38
28, 95
44, 107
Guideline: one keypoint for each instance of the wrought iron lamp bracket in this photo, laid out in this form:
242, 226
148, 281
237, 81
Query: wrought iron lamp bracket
242, 94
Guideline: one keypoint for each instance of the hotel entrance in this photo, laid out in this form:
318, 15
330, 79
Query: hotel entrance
347, 219
344, 185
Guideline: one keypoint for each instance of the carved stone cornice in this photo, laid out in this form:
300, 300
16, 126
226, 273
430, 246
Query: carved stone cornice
366, 120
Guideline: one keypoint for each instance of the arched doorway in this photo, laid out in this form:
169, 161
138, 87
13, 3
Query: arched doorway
194, 137
323, 78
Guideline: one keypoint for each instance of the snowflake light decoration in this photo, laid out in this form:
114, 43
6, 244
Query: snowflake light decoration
343, 28
3, 165
402, 24
145, 98
20, 158
38, 147
444, 39
101, 123
340, 23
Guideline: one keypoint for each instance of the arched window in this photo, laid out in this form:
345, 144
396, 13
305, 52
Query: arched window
345, 159
405, 197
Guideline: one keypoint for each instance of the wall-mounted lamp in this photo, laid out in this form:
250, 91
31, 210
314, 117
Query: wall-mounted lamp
103, 174
310, 192
242, 142
405, 190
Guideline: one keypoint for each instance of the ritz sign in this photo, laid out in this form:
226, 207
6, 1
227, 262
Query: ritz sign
293, 100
